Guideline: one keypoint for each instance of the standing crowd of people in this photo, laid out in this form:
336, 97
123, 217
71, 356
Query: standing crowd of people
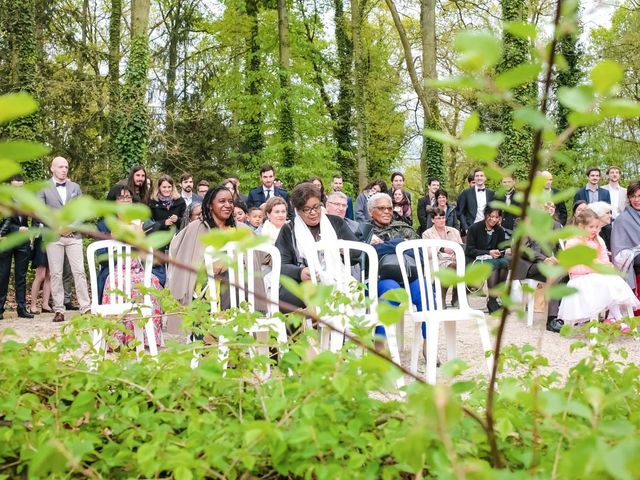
381, 216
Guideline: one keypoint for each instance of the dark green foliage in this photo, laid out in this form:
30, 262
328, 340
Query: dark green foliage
132, 137
432, 156
19, 55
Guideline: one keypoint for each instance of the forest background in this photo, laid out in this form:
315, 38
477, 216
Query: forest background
314, 87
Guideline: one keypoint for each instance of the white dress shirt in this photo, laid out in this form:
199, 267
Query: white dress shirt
481, 201
614, 193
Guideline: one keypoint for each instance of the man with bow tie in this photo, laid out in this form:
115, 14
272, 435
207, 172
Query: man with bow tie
60, 191
472, 201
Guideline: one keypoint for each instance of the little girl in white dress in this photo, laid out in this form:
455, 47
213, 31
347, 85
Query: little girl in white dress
595, 291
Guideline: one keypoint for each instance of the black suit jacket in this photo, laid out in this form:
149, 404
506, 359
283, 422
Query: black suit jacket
508, 219
423, 213
480, 243
468, 206
256, 198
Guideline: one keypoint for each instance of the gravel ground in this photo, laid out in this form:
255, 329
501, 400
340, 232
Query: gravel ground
551, 345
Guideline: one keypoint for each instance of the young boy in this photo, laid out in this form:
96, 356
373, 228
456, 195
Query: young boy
255, 216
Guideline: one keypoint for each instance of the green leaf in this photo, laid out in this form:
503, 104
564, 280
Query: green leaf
218, 238
133, 211
577, 255
441, 137
389, 314
479, 50
454, 367
448, 277
16, 238
8, 168
532, 117
605, 75
524, 73
471, 124
477, 273
521, 30
22, 150
560, 291
578, 98
294, 287
620, 108
584, 119
398, 295
159, 239
483, 146
16, 105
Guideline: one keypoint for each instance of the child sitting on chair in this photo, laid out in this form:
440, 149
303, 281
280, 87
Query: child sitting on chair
595, 291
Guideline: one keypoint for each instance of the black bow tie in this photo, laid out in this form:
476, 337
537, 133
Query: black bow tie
61, 184
480, 189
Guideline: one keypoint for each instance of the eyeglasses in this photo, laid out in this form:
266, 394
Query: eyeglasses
384, 209
635, 197
124, 197
308, 210
341, 205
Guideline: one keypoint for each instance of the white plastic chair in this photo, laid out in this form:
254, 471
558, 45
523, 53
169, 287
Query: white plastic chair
426, 256
242, 273
118, 288
521, 293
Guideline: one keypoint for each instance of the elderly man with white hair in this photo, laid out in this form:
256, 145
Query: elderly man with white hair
338, 204
604, 212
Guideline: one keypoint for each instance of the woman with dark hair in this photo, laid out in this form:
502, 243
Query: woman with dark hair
167, 206
442, 202
485, 241
186, 247
317, 181
401, 207
138, 185
362, 209
625, 237
309, 225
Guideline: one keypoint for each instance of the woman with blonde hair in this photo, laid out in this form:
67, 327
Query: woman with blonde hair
275, 210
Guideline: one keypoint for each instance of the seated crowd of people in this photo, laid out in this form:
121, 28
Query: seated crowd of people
381, 217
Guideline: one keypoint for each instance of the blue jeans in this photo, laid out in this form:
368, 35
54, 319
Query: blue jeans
414, 287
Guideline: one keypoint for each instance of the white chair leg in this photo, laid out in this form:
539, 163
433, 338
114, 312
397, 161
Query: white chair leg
433, 330
415, 348
151, 337
531, 302
486, 341
223, 351
392, 342
450, 335
139, 336
593, 331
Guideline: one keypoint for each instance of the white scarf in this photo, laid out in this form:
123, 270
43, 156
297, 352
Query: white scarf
270, 230
305, 243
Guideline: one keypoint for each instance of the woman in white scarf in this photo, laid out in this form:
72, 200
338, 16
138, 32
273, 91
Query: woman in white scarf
309, 226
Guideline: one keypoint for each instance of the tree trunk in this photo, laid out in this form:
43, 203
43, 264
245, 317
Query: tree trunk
20, 49
344, 107
287, 137
360, 81
175, 33
252, 142
431, 156
133, 124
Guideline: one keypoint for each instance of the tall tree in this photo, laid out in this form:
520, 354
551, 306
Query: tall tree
360, 81
133, 126
515, 151
252, 142
115, 21
344, 106
19, 47
287, 137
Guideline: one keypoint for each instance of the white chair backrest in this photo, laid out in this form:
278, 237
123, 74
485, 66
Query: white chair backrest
425, 253
331, 263
242, 274
118, 256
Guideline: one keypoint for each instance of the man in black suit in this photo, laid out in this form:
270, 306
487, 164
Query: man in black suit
472, 201
592, 192
20, 255
427, 203
561, 208
508, 219
264, 192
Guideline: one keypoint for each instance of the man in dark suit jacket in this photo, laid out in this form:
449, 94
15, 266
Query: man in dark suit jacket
427, 203
592, 192
472, 201
20, 255
264, 192
59, 191
336, 186
508, 219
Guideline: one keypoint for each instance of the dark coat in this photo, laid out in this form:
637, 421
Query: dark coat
468, 206
256, 198
479, 242
561, 209
159, 213
293, 264
508, 219
424, 210
582, 194
536, 255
